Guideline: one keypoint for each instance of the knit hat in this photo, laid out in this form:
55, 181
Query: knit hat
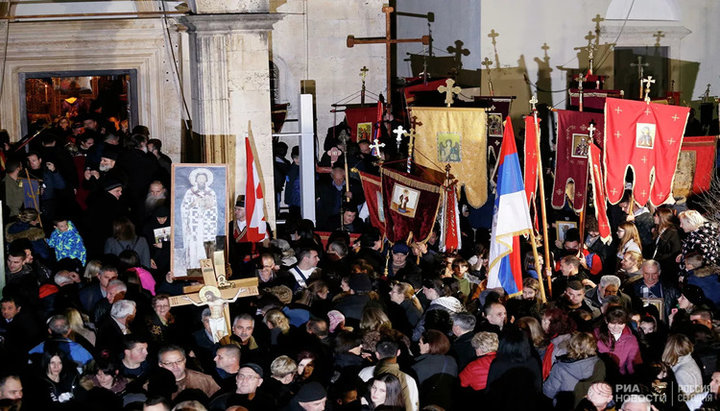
336, 318
400, 248
360, 283
451, 304
112, 183
694, 294
110, 153
312, 391
161, 211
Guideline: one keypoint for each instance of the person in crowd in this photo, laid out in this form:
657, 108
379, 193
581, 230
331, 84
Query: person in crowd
642, 219
701, 236
433, 358
61, 380
650, 288
629, 239
173, 358
678, 355
667, 240
615, 338
706, 277
125, 238
475, 374
580, 364
385, 391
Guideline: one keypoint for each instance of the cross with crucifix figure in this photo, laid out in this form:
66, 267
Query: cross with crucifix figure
363, 73
641, 71
216, 292
388, 41
450, 89
459, 51
649, 80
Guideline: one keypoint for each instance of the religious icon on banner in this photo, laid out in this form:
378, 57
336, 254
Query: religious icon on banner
645, 135
495, 125
162, 234
404, 200
364, 131
380, 206
199, 217
449, 147
562, 227
580, 145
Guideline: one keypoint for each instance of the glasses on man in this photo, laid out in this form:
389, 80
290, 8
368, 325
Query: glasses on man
243, 377
173, 363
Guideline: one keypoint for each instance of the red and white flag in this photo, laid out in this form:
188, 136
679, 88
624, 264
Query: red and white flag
450, 233
254, 201
599, 194
647, 138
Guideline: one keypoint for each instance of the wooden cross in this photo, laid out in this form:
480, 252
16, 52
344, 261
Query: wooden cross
459, 51
649, 80
375, 146
388, 41
658, 36
493, 35
399, 133
449, 89
414, 122
216, 292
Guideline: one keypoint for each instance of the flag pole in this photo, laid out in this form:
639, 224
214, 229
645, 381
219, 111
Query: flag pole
591, 132
536, 257
543, 210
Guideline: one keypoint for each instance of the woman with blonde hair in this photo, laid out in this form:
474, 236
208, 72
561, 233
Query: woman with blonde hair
534, 331
678, 355
475, 374
403, 294
579, 364
92, 269
278, 324
702, 237
373, 319
77, 325
629, 239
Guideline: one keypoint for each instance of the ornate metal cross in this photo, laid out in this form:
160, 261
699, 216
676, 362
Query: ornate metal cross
449, 89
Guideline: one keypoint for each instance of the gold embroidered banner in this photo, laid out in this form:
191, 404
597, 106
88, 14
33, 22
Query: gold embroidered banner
455, 136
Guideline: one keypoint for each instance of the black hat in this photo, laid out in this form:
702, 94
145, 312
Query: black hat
240, 201
161, 211
258, 369
111, 183
312, 391
360, 283
110, 153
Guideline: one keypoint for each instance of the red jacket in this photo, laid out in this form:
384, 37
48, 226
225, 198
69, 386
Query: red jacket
475, 375
625, 353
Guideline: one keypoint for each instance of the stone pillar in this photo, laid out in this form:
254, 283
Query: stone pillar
229, 64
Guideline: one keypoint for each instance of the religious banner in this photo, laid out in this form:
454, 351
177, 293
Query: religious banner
411, 205
696, 161
645, 137
455, 136
593, 98
361, 121
450, 237
374, 199
572, 151
530, 162
198, 217
497, 109
599, 194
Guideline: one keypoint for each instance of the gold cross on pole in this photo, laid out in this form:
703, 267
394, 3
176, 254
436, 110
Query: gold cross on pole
363, 73
649, 80
590, 37
388, 41
449, 89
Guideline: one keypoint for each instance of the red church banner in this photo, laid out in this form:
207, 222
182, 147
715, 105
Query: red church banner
361, 122
530, 162
645, 137
373, 198
599, 194
701, 151
572, 151
411, 205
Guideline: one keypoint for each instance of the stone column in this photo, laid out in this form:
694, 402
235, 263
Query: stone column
229, 64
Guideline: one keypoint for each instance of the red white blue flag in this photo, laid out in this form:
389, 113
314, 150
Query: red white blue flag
511, 219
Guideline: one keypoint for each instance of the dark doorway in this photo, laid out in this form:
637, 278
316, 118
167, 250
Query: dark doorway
655, 63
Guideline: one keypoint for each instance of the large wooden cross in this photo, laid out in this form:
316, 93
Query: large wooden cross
216, 292
388, 41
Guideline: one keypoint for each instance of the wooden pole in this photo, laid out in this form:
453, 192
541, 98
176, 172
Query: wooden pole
543, 210
536, 257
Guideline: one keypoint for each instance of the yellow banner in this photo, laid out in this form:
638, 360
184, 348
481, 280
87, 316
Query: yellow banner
455, 136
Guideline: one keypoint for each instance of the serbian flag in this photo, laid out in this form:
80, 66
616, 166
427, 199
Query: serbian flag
374, 200
647, 138
599, 194
254, 202
573, 140
450, 222
510, 220
531, 158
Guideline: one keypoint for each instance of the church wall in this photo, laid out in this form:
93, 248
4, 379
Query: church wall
310, 43
98, 45
524, 25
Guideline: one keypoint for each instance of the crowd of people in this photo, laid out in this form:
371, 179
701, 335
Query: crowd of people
338, 324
